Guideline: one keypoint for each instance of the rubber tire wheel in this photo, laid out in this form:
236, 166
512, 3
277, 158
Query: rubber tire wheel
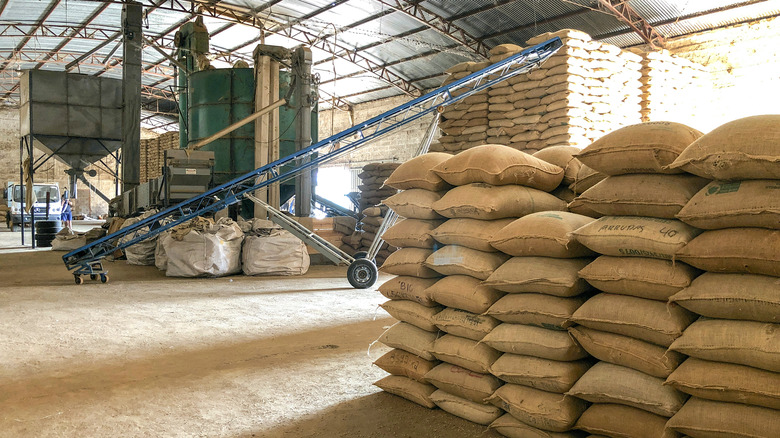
49, 223
362, 274
93, 277
361, 255
47, 230
78, 279
103, 278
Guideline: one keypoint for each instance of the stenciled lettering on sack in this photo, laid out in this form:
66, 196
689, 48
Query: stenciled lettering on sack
639, 228
726, 187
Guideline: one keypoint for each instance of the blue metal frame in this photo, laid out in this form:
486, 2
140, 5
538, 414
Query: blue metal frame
216, 199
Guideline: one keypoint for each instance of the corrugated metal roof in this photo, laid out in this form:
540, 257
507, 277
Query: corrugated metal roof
360, 33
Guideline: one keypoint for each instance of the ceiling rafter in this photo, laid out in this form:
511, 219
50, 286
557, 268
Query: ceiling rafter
625, 13
41, 19
441, 25
552, 19
75, 31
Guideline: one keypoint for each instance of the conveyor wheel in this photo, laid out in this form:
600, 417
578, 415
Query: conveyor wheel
362, 274
77, 278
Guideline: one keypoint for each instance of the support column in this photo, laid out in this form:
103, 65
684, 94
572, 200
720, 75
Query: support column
301, 69
267, 126
132, 15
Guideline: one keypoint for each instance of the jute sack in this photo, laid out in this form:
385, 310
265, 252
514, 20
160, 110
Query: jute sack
414, 233
747, 148
471, 233
651, 321
737, 250
465, 353
624, 422
727, 382
585, 179
651, 195
463, 292
511, 427
534, 341
732, 296
465, 324
409, 389
642, 277
410, 262
459, 260
409, 288
487, 202
542, 409
629, 352
752, 203
462, 382
460, 407
713, 419
412, 313
610, 383
539, 310
545, 234
417, 173
631, 236
540, 274
402, 363
643, 148
499, 165
755, 344
414, 204
563, 157
409, 338
547, 375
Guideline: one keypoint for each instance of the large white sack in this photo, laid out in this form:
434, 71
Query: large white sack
68, 240
277, 253
214, 251
160, 257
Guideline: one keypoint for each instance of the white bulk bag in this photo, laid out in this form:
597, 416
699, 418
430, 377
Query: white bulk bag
276, 252
215, 251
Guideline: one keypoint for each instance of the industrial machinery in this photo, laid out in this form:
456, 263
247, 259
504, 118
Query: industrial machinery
362, 272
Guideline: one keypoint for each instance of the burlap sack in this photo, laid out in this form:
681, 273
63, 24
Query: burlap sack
623, 421
413, 233
713, 419
465, 353
755, 344
540, 310
737, 250
414, 204
651, 195
409, 389
462, 382
753, 203
471, 233
644, 148
544, 234
410, 338
544, 374
626, 351
534, 341
459, 260
747, 148
631, 236
585, 178
499, 165
417, 173
651, 321
511, 427
460, 407
540, 274
409, 262
465, 324
727, 382
541, 409
642, 277
487, 202
412, 313
732, 296
610, 383
402, 363
409, 288
463, 292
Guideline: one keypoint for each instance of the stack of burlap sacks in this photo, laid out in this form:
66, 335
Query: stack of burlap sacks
672, 88
153, 154
502, 303
372, 180
584, 91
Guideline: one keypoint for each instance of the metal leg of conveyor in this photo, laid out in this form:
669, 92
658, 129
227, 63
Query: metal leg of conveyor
327, 249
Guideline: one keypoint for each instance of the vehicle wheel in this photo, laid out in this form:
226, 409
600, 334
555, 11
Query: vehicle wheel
103, 278
48, 223
93, 277
362, 274
361, 255
78, 279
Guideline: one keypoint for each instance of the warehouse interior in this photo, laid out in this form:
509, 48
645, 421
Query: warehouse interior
386, 218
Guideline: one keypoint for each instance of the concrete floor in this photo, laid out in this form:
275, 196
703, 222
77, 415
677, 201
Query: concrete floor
147, 355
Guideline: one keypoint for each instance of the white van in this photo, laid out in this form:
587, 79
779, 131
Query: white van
13, 197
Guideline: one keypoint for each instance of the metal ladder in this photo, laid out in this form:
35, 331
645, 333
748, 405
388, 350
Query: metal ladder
87, 260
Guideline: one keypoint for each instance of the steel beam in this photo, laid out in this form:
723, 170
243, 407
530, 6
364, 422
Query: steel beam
625, 13
41, 19
75, 31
